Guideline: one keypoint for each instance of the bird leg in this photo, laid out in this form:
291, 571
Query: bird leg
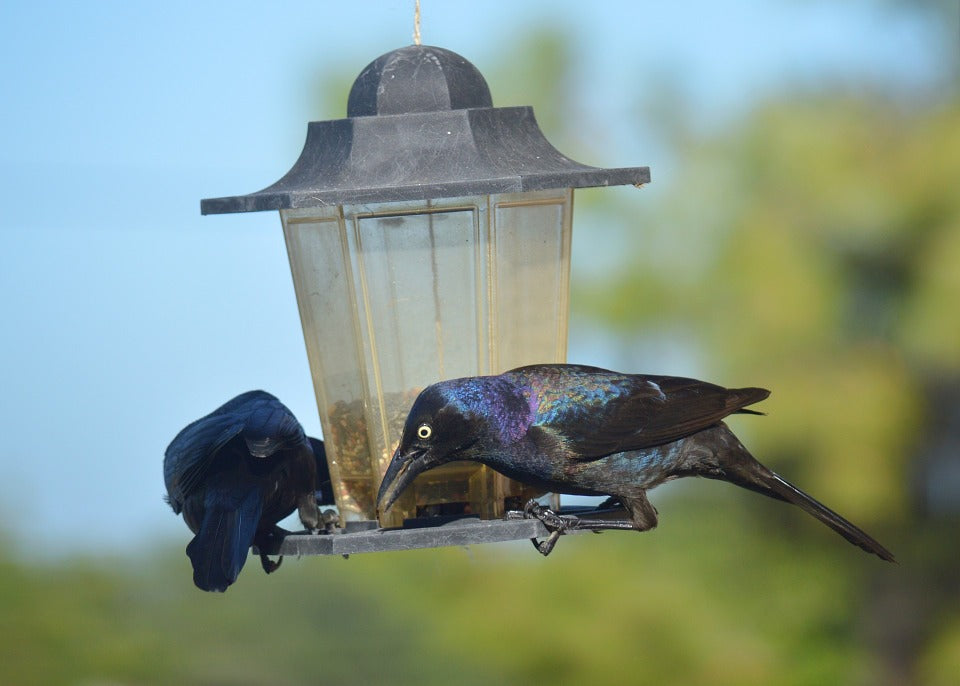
558, 524
264, 540
309, 512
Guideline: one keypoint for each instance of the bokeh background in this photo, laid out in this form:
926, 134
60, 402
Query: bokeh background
802, 233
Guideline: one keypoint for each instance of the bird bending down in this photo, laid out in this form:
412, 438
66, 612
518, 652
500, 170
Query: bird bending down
234, 474
588, 431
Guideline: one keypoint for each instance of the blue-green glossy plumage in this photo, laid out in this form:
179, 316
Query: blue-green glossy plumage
585, 430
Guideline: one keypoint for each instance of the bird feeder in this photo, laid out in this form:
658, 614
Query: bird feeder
429, 238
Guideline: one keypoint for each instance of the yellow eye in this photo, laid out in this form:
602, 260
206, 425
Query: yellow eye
424, 431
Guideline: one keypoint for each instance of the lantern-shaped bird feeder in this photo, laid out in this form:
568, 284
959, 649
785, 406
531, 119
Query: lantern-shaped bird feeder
429, 238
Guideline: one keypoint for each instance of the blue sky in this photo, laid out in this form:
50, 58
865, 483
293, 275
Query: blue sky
125, 314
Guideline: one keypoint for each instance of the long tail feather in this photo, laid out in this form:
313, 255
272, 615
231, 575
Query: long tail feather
758, 478
219, 550
736, 465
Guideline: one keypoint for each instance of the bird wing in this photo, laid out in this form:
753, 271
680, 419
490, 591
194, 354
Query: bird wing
190, 453
270, 427
591, 413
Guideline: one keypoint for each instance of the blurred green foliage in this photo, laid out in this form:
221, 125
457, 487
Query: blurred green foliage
814, 248
678, 605
811, 247
823, 266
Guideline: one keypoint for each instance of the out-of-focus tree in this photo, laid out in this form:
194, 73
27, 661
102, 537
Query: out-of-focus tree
819, 261
815, 249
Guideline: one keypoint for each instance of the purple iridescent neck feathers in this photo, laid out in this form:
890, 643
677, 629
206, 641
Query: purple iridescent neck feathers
506, 408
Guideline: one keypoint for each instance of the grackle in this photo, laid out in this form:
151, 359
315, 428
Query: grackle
583, 430
234, 474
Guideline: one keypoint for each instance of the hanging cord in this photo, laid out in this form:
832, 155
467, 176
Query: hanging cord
416, 22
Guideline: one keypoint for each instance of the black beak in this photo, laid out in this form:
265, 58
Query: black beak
403, 469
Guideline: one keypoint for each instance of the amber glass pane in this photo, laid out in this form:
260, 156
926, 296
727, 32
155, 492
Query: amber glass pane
396, 297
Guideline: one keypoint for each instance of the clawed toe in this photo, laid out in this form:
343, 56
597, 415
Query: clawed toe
545, 547
269, 566
559, 524
556, 523
329, 521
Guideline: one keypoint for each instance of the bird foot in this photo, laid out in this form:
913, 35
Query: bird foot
267, 540
330, 522
557, 524
269, 566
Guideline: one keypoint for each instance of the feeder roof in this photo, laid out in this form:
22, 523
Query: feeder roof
421, 124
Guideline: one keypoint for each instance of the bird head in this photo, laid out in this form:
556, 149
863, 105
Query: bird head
439, 429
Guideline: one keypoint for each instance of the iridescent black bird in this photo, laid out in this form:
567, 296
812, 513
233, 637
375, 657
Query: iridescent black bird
582, 430
237, 472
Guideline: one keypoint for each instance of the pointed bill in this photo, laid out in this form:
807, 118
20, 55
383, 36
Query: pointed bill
403, 469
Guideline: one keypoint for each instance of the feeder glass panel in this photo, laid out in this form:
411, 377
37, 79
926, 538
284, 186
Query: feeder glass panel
396, 296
